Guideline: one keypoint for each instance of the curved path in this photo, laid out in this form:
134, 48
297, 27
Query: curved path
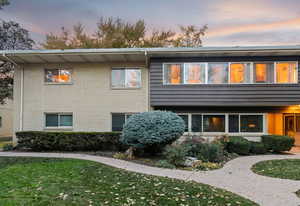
236, 176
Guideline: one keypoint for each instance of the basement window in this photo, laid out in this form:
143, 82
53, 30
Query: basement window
59, 120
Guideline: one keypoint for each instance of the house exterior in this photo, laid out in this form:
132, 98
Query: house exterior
6, 119
248, 91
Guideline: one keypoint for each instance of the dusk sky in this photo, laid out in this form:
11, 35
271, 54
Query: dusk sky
230, 22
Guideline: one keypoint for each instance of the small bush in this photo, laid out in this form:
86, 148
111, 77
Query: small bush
152, 130
207, 152
69, 141
176, 155
164, 164
277, 143
120, 155
258, 148
8, 147
238, 145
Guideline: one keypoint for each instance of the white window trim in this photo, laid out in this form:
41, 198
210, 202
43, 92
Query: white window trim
125, 78
59, 114
59, 83
226, 125
229, 63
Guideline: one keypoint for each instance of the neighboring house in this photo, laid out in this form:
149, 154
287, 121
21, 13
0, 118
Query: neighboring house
6, 119
248, 91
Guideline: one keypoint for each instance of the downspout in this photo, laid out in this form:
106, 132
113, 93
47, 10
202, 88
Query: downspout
148, 79
21, 90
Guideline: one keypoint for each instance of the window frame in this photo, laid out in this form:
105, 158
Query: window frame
264, 126
59, 83
125, 69
59, 127
252, 82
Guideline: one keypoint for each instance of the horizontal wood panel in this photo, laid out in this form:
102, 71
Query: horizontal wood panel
221, 94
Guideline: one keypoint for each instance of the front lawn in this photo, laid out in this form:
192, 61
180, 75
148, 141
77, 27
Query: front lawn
284, 169
44, 181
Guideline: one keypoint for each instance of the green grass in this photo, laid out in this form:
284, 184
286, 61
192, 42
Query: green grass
284, 169
44, 181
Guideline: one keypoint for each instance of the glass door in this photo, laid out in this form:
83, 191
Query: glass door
292, 127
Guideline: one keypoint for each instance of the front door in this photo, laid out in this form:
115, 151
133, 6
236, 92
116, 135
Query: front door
292, 127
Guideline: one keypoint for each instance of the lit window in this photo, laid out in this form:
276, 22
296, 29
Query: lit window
286, 72
251, 123
126, 78
57, 120
240, 72
263, 72
217, 73
57, 75
173, 73
195, 73
214, 123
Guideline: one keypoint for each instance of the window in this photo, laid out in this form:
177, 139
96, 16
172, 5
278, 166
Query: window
234, 125
251, 123
58, 76
286, 72
58, 120
263, 72
185, 118
217, 73
195, 73
173, 73
125, 78
214, 123
118, 120
196, 123
240, 72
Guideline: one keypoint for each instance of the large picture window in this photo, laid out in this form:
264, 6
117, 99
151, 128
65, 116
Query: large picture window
230, 73
240, 72
125, 78
224, 123
58, 120
173, 73
286, 72
58, 76
217, 73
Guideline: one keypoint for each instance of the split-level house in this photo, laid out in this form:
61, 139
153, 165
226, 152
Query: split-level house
247, 91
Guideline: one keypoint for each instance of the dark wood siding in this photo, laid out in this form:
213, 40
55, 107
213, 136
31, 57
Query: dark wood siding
221, 95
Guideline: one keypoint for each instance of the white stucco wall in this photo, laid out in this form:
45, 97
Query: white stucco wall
89, 97
6, 113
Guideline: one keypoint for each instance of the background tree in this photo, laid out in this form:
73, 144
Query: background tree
3, 3
12, 37
117, 33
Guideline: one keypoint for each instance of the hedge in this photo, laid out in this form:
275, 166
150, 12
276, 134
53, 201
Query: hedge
239, 145
257, 148
69, 141
277, 143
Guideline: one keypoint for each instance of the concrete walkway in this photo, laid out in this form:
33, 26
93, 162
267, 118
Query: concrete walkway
235, 176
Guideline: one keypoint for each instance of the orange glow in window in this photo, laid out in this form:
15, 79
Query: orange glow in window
194, 74
237, 72
285, 72
175, 72
261, 72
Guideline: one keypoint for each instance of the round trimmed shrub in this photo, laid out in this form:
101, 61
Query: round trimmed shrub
277, 143
152, 129
238, 145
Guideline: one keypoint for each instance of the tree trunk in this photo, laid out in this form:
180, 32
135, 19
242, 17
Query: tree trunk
129, 153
